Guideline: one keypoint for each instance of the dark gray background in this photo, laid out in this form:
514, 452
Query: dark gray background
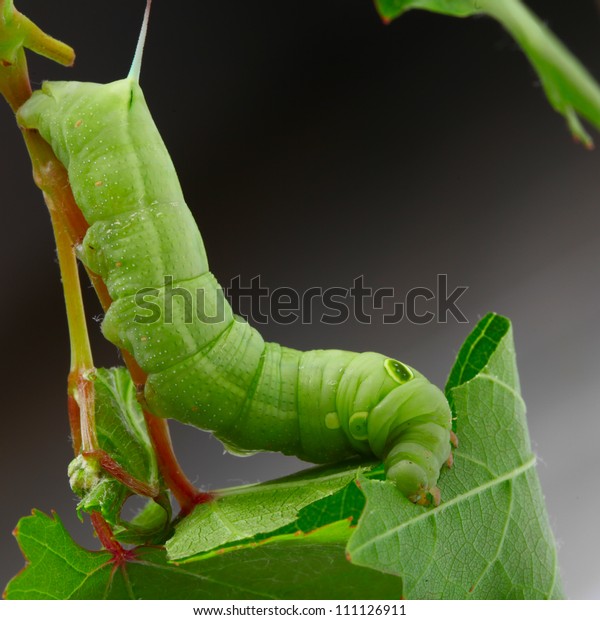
315, 145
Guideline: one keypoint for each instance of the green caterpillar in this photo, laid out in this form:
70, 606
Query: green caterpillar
322, 406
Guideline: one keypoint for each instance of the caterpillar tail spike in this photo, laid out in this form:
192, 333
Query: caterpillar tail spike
209, 368
136, 65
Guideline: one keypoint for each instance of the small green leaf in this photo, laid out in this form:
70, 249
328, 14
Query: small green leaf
121, 427
242, 513
391, 9
312, 566
476, 352
570, 89
150, 526
123, 436
490, 536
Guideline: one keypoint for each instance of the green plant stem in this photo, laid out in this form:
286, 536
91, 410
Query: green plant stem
552, 60
80, 383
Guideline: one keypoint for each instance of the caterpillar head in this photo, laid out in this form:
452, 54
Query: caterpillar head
410, 430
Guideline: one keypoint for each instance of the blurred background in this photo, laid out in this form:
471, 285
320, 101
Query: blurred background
315, 145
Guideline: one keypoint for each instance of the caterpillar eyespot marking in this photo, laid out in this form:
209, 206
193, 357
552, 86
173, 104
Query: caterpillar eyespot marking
398, 371
323, 405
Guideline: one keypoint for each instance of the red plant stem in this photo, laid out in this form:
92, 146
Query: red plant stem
107, 539
84, 388
74, 423
104, 532
15, 85
116, 471
186, 494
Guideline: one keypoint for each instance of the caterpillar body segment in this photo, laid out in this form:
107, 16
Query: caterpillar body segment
209, 368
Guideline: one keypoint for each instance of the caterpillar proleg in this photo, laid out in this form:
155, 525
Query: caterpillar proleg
218, 373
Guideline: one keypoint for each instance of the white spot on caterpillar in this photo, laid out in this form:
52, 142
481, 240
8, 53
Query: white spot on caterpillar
332, 421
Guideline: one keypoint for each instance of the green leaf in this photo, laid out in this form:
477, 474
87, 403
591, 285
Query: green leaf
121, 427
312, 566
150, 526
123, 436
490, 536
243, 513
346, 504
571, 90
476, 352
390, 9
